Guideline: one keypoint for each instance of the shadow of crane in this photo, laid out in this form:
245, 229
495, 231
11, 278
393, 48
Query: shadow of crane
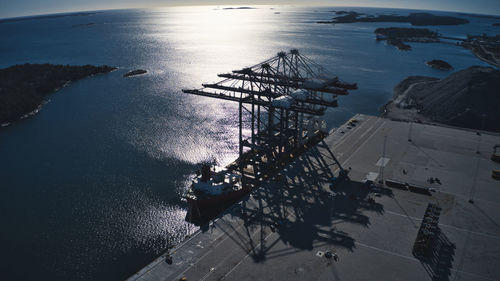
301, 207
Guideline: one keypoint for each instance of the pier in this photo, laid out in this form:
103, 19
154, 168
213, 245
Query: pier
298, 226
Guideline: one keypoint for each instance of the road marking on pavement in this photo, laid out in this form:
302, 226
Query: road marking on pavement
346, 135
386, 251
366, 132
228, 256
363, 143
382, 162
447, 225
258, 245
208, 252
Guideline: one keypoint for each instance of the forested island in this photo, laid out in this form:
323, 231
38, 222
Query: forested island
416, 19
24, 87
439, 64
396, 36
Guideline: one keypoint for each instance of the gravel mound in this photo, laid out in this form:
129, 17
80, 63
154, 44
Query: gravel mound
467, 98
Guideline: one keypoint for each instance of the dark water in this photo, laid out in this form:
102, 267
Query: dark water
90, 187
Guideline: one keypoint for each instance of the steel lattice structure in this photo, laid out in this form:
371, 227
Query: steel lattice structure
284, 96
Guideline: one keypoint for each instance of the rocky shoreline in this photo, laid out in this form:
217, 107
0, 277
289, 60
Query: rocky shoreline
24, 87
468, 98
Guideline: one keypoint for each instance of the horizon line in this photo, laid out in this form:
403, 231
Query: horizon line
187, 5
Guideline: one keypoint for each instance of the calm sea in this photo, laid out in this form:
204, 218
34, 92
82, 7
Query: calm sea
91, 186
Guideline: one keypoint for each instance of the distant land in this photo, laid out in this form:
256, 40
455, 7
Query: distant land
468, 98
238, 8
38, 17
397, 35
24, 87
83, 24
416, 19
479, 16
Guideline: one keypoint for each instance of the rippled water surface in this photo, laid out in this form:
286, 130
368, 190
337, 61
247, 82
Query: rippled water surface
91, 186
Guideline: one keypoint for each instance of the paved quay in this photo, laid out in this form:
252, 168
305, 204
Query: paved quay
282, 230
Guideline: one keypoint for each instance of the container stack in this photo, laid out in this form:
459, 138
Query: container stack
428, 231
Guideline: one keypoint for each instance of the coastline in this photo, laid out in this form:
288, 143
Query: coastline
479, 56
420, 99
23, 88
484, 47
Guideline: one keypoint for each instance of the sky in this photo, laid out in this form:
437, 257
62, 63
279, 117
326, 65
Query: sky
16, 8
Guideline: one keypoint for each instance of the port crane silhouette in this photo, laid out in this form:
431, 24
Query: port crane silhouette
281, 101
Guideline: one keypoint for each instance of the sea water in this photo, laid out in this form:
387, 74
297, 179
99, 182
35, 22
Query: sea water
91, 186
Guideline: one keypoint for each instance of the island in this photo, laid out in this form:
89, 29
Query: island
238, 8
396, 36
135, 72
468, 98
416, 19
24, 87
348, 13
439, 64
479, 16
83, 24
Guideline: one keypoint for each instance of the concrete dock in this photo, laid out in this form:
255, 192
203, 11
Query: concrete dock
283, 229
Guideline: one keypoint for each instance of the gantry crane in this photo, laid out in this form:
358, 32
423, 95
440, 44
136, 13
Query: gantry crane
281, 101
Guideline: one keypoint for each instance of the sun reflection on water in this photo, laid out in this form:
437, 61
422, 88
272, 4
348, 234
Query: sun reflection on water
190, 45
209, 41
